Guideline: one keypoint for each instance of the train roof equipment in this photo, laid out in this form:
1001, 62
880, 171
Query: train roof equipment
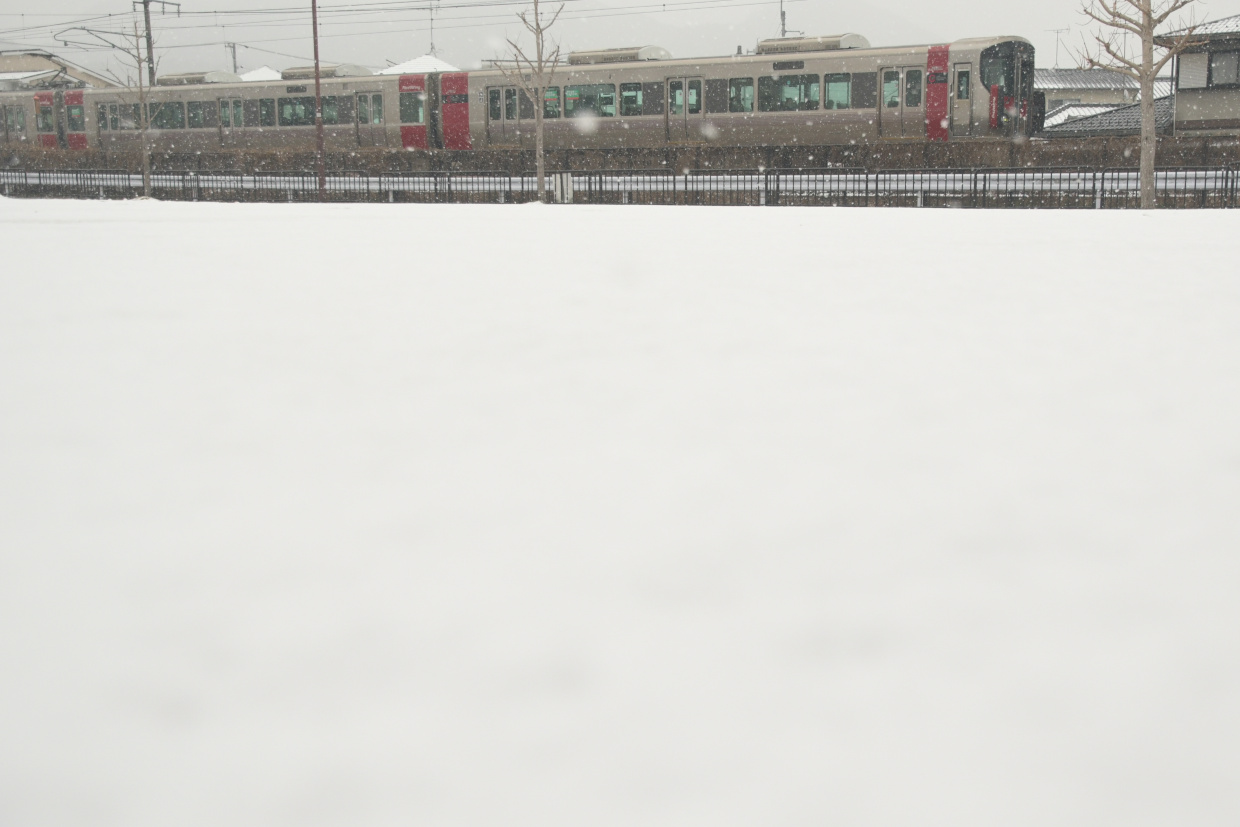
197, 78
630, 54
342, 70
829, 43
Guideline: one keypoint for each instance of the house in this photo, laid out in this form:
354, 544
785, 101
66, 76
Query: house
43, 70
1208, 78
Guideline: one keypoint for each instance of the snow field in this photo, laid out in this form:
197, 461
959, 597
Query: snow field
486, 515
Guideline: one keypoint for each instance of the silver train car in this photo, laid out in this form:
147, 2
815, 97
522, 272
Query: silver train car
807, 91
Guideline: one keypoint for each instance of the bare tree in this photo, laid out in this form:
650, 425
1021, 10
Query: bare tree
532, 75
129, 45
1122, 20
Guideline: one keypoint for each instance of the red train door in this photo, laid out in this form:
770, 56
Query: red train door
938, 88
45, 120
413, 112
454, 89
75, 120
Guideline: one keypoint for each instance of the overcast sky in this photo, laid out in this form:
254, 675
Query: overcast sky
466, 35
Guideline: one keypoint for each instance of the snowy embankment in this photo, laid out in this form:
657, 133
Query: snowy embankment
495, 516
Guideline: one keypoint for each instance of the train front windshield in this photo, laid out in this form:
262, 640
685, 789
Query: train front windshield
1010, 67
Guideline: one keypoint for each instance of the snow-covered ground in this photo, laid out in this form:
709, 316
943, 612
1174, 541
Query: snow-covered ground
496, 516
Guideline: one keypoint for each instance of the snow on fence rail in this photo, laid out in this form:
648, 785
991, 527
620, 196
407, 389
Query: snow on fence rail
981, 188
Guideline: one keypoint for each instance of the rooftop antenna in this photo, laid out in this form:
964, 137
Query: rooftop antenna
1058, 34
784, 31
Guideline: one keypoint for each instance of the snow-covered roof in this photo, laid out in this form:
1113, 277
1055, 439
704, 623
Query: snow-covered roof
1119, 120
1074, 112
24, 75
263, 73
1227, 26
419, 66
1081, 79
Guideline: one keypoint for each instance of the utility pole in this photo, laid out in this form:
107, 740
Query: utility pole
783, 22
431, 7
320, 160
232, 47
150, 38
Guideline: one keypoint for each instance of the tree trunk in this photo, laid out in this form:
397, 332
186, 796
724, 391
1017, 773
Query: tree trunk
539, 161
1149, 123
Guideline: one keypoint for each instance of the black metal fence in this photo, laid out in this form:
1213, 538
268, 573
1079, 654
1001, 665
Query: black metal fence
1063, 188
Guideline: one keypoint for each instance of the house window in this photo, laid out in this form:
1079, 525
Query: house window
1225, 69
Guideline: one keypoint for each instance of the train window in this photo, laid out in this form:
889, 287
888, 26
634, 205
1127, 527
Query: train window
598, 99
891, 90
101, 116
267, 112
376, 109
167, 115
193, 112
789, 93
363, 109
15, 119
962, 85
653, 93
130, 116
45, 119
839, 91
526, 105
630, 99
510, 104
676, 97
75, 114
494, 110
551, 102
238, 112
412, 108
695, 97
740, 95
225, 114
296, 111
331, 110
716, 96
912, 87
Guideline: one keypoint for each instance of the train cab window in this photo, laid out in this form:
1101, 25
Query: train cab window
267, 112
45, 119
551, 102
510, 104
912, 87
412, 108
740, 95
962, 85
839, 91
891, 90
630, 99
788, 93
75, 114
597, 99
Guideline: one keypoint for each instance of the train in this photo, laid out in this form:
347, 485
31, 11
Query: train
814, 91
